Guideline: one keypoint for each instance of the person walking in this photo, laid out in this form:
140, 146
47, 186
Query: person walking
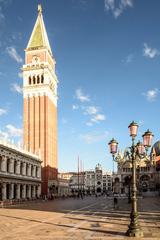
115, 201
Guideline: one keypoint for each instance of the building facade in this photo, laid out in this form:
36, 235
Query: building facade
40, 102
20, 174
107, 182
147, 172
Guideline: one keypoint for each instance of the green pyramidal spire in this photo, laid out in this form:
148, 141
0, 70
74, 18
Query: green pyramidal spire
39, 36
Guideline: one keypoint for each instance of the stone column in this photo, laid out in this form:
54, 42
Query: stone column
34, 192
4, 164
29, 170
29, 191
11, 165
38, 172
39, 191
4, 191
24, 169
18, 167
24, 191
34, 171
11, 191
18, 191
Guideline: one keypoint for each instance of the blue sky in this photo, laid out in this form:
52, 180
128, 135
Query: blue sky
108, 66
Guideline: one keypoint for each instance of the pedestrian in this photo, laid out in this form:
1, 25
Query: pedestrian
115, 200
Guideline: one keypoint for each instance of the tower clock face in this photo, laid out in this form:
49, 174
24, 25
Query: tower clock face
35, 59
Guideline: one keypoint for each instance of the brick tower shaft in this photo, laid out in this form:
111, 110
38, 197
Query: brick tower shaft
40, 101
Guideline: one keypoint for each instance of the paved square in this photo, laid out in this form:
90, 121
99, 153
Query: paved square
88, 218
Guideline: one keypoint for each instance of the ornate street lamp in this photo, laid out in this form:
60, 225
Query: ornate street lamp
136, 152
133, 128
113, 145
147, 138
134, 229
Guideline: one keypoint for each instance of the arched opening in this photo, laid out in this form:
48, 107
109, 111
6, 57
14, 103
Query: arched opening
34, 80
42, 78
99, 190
27, 191
38, 79
144, 183
7, 190
21, 168
15, 166
127, 187
30, 80
32, 191
32, 170
15, 191
116, 186
0, 163
0, 192
8, 164
26, 169
36, 191
36, 171
21, 191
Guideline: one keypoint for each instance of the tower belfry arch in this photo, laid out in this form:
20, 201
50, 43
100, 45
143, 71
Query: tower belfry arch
40, 101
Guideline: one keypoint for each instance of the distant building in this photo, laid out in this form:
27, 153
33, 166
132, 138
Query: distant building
91, 181
20, 174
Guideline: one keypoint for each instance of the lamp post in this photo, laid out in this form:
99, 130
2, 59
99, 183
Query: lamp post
113, 145
137, 151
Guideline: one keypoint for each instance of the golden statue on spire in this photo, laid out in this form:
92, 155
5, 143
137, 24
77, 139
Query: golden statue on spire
39, 8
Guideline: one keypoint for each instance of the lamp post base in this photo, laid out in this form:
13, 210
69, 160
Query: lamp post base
134, 229
134, 232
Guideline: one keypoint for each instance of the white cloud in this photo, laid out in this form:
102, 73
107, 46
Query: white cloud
150, 52
94, 137
3, 135
129, 59
75, 107
13, 131
98, 118
16, 88
13, 54
81, 96
91, 110
20, 75
117, 6
2, 111
151, 95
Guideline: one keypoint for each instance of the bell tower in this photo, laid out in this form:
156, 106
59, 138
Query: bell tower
40, 101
